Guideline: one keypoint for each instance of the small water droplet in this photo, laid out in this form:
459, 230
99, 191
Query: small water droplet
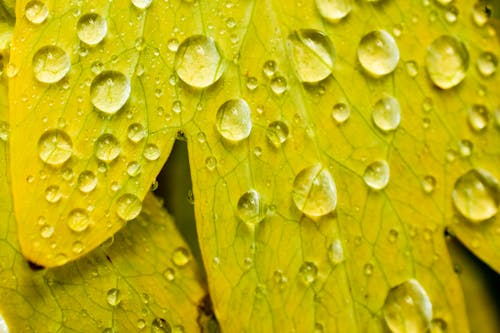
107, 148
451, 14
269, 68
341, 112
199, 61
91, 28
109, 91
136, 132
55, 147
141, 323
77, 247
252, 83
113, 296
87, 181
386, 114
465, 148
36, 12
411, 68
476, 195
314, 191
169, 274
377, 175
4, 130
378, 53
233, 120
181, 257
78, 220
478, 117
50, 64
334, 10
487, 63
428, 184
151, 152
142, 4
308, 272
133, 168
211, 163
278, 85
53, 194
46, 231
160, 325
481, 13
336, 252
407, 308
128, 206
368, 269
277, 133
250, 208
447, 60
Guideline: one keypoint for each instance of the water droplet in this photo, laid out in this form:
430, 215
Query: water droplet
109, 91
481, 13
465, 148
169, 274
249, 208
314, 191
411, 68
133, 168
77, 247
199, 62
46, 231
211, 163
36, 12
181, 257
308, 272
447, 61
269, 68
407, 308
78, 220
476, 195
377, 175
278, 85
378, 53
277, 133
151, 152
113, 296
55, 147
487, 63
142, 4
136, 132
334, 10
368, 269
87, 181
336, 252
141, 323
50, 64
53, 194
451, 14
128, 206
313, 54
341, 112
107, 148
91, 28
428, 184
4, 130
386, 114
160, 325
252, 83
478, 117
233, 120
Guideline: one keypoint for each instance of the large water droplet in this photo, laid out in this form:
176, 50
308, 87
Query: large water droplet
91, 28
50, 64
407, 308
128, 206
233, 120
55, 147
109, 91
199, 62
378, 53
87, 181
487, 63
377, 175
181, 257
36, 12
386, 113
78, 220
476, 195
107, 148
277, 133
447, 61
312, 53
113, 296
249, 208
314, 191
334, 10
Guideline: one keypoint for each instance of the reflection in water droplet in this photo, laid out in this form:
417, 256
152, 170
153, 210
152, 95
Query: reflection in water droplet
308, 272
428, 184
314, 191
313, 54
36, 12
277, 133
50, 64
476, 195
407, 308
113, 297
78, 220
180, 257
109, 91
250, 208
334, 10
233, 120
386, 114
377, 175
128, 206
55, 147
447, 61
107, 148
378, 53
199, 62
478, 117
142, 4
87, 181
91, 28
487, 63
341, 112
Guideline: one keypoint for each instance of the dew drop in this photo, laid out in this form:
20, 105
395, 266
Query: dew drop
476, 195
133, 168
169, 274
478, 117
465, 148
269, 68
313, 54
141, 323
308, 272
411, 68
199, 62
36, 12
91, 28
53, 194
113, 296
481, 13
55, 147
136, 132
46, 231
314, 191
87, 181
428, 184
447, 60
107, 148
128, 206
368, 269
278, 85
4, 130
377, 175
252, 83
142, 4
336, 252
160, 325
386, 114
334, 10
487, 63
181, 257
77, 247
277, 133
109, 91
233, 120
151, 152
341, 112
407, 308
249, 208
378, 53
50, 64
78, 220
211, 163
